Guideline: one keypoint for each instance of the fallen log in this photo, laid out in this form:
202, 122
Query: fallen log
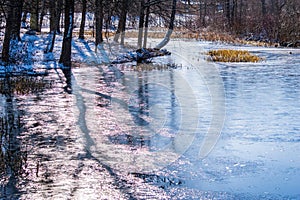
141, 55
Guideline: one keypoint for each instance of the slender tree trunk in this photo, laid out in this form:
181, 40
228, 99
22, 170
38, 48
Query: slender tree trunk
263, 15
99, 22
205, 13
278, 24
234, 13
146, 26
241, 10
278, 14
167, 37
263, 7
59, 18
13, 25
228, 12
65, 57
54, 24
24, 17
51, 43
82, 23
55, 13
17, 25
123, 33
42, 16
108, 15
34, 15
124, 16
26, 10
141, 23
122, 23
200, 12
53, 17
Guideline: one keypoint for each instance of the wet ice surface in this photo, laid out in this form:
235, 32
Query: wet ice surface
101, 138
256, 156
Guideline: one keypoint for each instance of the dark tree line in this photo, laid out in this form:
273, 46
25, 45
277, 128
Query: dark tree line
270, 20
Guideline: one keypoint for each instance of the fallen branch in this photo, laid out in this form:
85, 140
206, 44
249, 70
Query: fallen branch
141, 55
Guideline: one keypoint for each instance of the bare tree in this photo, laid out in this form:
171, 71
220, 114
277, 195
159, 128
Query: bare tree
167, 37
34, 15
230, 9
263, 7
25, 10
42, 14
279, 5
65, 56
122, 22
55, 12
13, 25
141, 23
99, 22
146, 26
204, 13
82, 23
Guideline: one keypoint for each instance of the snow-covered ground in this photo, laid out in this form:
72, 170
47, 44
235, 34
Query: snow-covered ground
31, 58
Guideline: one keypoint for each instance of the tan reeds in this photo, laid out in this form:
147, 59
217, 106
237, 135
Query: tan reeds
227, 55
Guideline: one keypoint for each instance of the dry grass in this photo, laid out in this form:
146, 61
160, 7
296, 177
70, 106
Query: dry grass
89, 33
22, 85
188, 34
224, 37
226, 55
134, 34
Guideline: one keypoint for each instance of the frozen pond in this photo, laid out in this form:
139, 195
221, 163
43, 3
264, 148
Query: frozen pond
194, 130
256, 156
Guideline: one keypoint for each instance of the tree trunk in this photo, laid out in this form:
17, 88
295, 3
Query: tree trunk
17, 25
34, 15
122, 23
99, 22
234, 12
59, 6
228, 12
205, 13
141, 23
146, 26
241, 11
65, 57
54, 24
263, 7
55, 12
13, 25
278, 14
51, 43
53, 17
82, 23
26, 10
24, 17
107, 17
42, 16
166, 39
